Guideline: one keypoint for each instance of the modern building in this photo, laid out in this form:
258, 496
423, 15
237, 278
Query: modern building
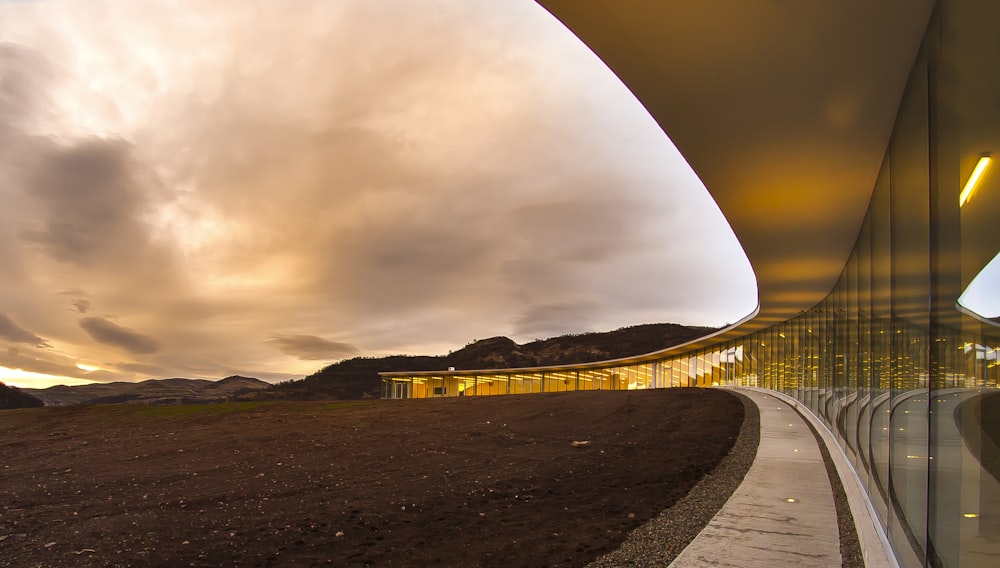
843, 140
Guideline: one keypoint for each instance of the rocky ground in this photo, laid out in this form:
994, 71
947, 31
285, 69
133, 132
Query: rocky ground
531, 480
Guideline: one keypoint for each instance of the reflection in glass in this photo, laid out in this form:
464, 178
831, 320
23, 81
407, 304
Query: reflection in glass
982, 296
970, 186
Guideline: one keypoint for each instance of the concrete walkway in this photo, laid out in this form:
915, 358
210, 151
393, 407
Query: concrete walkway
783, 513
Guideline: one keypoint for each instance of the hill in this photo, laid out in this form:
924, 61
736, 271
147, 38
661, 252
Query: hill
154, 391
13, 397
358, 377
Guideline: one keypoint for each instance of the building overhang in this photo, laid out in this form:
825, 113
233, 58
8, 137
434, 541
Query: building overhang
783, 109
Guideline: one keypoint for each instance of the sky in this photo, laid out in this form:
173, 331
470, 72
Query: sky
202, 189
981, 294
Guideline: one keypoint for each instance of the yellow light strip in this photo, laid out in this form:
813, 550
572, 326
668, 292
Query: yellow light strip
970, 185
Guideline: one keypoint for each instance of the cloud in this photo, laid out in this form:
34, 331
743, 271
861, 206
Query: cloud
110, 333
311, 347
23, 94
548, 320
17, 334
72, 292
91, 201
35, 360
399, 176
148, 370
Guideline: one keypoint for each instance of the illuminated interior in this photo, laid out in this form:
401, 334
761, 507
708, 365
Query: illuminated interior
845, 193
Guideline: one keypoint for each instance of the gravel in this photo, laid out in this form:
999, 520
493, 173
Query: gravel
659, 541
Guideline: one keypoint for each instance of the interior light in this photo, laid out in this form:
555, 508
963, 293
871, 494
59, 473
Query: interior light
970, 185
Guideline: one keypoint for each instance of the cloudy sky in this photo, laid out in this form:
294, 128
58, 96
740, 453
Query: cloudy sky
199, 189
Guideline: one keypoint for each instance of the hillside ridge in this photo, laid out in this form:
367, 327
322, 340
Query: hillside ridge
358, 377
13, 397
152, 391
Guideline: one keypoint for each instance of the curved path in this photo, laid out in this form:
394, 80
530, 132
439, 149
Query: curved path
783, 514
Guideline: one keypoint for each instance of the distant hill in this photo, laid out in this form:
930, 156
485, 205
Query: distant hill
358, 377
155, 391
13, 397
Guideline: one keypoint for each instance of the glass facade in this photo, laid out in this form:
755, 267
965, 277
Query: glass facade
904, 376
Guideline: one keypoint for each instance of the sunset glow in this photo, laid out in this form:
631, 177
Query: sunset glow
200, 190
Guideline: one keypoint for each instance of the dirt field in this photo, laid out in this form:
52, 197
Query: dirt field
446, 482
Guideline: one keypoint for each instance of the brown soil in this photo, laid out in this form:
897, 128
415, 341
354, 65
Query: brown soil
446, 482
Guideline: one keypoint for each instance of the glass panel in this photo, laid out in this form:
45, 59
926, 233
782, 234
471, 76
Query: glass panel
848, 413
908, 425
865, 357
881, 266
965, 494
981, 297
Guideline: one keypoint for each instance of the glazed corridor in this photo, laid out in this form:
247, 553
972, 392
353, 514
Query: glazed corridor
905, 378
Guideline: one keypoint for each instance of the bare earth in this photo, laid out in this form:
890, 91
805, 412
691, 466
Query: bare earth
491, 481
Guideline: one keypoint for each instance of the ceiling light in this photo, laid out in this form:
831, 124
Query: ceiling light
970, 185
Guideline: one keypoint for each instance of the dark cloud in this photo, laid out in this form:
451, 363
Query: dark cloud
17, 334
92, 199
82, 305
311, 347
109, 333
589, 225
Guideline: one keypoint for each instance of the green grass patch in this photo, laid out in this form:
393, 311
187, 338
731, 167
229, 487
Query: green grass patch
349, 404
